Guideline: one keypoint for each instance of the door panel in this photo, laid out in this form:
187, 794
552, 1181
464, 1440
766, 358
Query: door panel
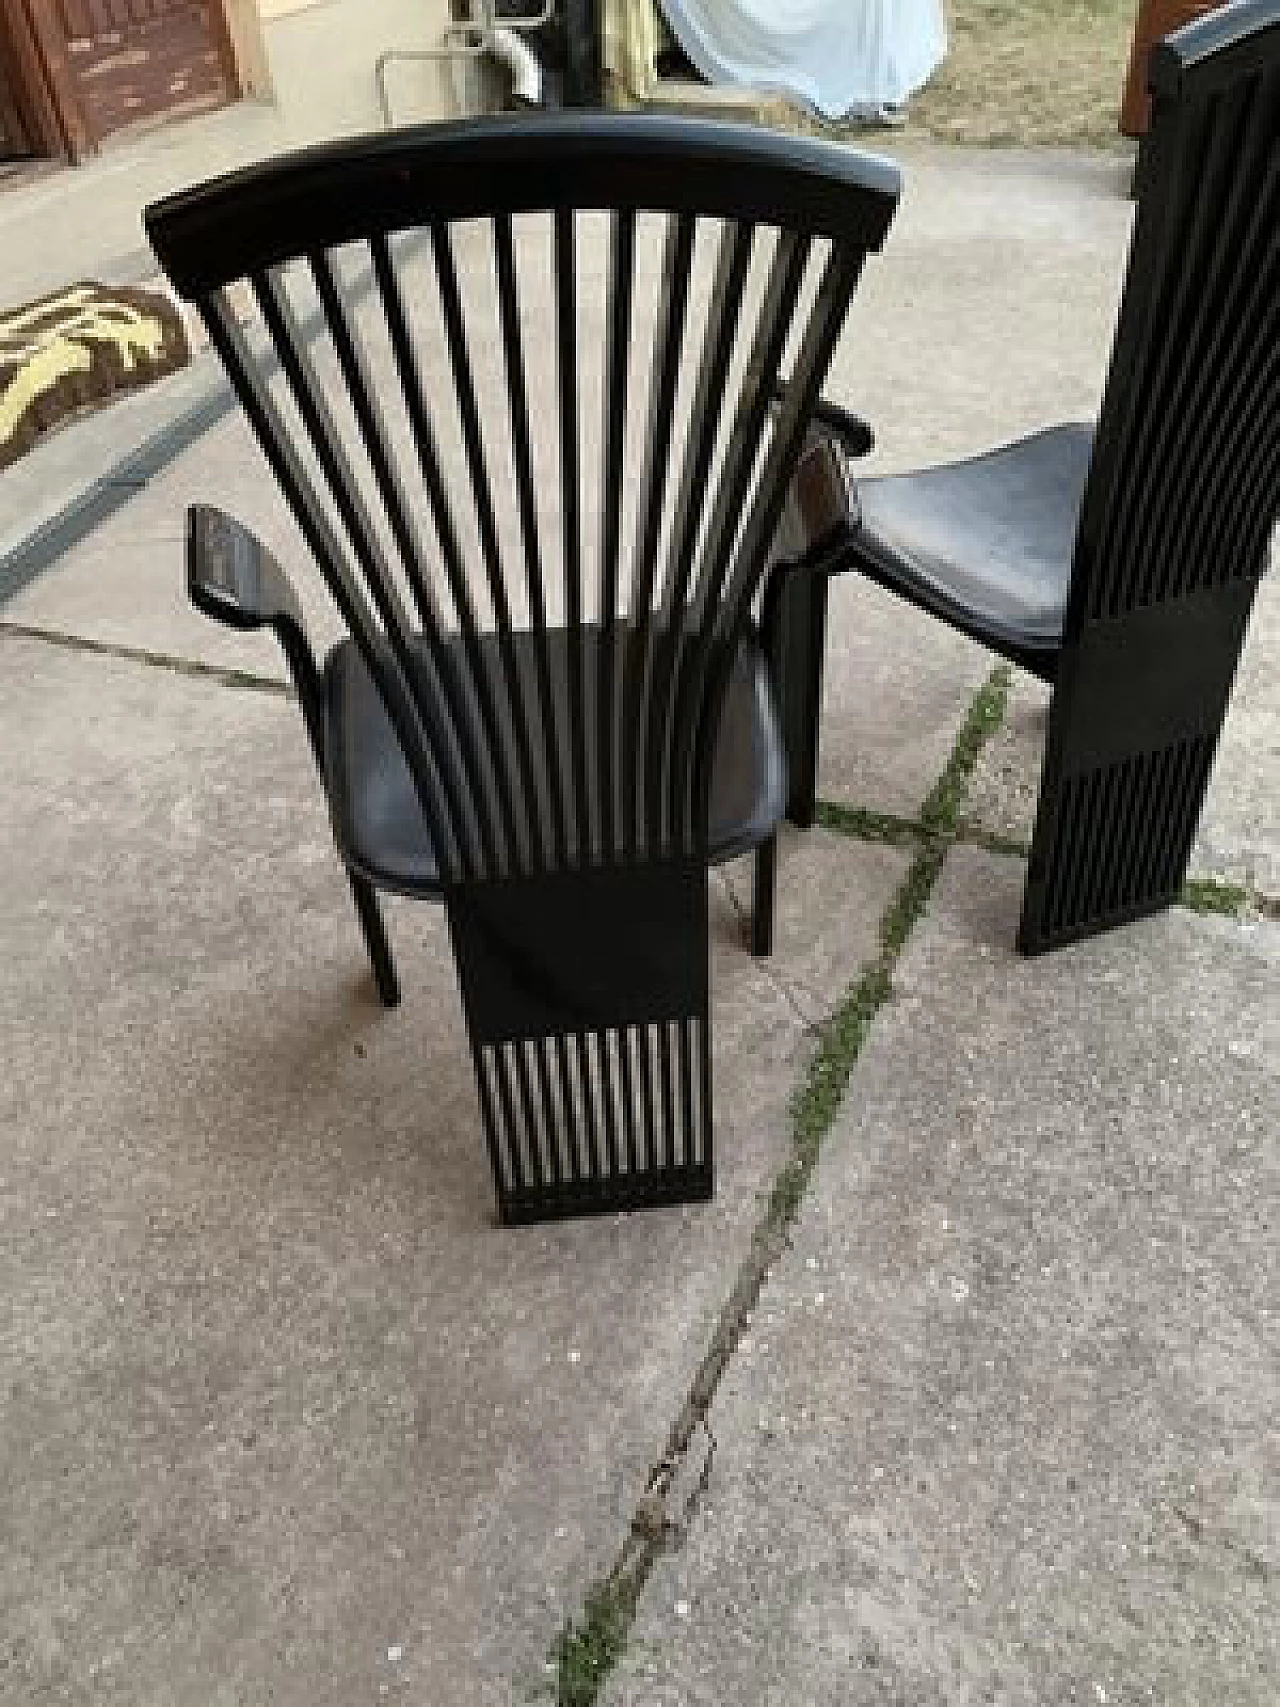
16, 140
137, 60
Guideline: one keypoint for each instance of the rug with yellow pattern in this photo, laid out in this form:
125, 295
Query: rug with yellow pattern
77, 349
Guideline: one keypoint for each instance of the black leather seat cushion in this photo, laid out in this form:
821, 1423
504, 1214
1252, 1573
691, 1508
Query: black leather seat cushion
990, 538
378, 820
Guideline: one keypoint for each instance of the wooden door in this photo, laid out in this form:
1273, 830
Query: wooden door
130, 61
16, 140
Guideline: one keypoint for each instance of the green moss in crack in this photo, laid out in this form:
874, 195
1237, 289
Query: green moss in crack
866, 826
941, 810
587, 1652
1207, 895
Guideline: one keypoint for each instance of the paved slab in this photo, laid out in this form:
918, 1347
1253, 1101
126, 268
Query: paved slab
124, 584
282, 1415
70, 462
1239, 836
1003, 1429
814, 868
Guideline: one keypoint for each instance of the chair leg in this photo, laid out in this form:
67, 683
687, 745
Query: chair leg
375, 937
798, 642
763, 891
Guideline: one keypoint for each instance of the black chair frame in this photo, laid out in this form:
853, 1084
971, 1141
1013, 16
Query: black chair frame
1176, 500
565, 784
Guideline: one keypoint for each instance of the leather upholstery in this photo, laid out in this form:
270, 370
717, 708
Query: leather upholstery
378, 819
990, 538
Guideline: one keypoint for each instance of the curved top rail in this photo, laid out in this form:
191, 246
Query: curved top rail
1226, 40
340, 192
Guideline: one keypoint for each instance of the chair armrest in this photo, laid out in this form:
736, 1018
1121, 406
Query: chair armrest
232, 577
854, 435
851, 432
821, 510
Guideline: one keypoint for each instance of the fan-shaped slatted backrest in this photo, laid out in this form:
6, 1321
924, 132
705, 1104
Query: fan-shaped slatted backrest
517, 386
1183, 493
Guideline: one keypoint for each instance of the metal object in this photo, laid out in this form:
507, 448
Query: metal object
478, 37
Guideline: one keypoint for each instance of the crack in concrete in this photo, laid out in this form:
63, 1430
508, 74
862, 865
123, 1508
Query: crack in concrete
774, 979
587, 1652
223, 674
865, 824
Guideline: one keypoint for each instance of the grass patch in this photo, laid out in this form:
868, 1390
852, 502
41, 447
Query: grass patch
993, 841
1207, 895
941, 811
586, 1652
1025, 72
867, 826
1019, 73
220, 673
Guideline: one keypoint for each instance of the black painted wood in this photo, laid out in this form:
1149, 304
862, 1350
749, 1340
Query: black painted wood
550, 597
1183, 492
1171, 507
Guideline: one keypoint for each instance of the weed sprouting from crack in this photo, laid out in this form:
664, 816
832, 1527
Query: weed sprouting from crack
585, 1655
867, 826
941, 811
1208, 895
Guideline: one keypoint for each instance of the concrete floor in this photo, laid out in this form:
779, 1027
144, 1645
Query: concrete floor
284, 1417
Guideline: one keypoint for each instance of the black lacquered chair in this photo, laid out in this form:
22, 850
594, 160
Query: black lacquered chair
1118, 562
552, 709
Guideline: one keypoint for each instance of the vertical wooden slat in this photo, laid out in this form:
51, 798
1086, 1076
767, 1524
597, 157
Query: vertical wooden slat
529, 1118
453, 749
725, 307
488, 734
667, 1154
703, 1052
571, 514
1221, 483
579, 1160
772, 325
606, 1101
521, 445
627, 1095
1177, 401
688, 1087
394, 681
668, 346
499, 1152
645, 1065
551, 1128
591, 1113
482, 492
511, 1119
620, 291
812, 362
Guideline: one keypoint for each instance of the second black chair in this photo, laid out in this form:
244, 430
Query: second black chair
1119, 562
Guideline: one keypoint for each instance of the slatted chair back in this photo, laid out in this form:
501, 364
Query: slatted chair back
517, 385
1183, 491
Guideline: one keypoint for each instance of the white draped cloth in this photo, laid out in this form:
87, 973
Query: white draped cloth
840, 57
